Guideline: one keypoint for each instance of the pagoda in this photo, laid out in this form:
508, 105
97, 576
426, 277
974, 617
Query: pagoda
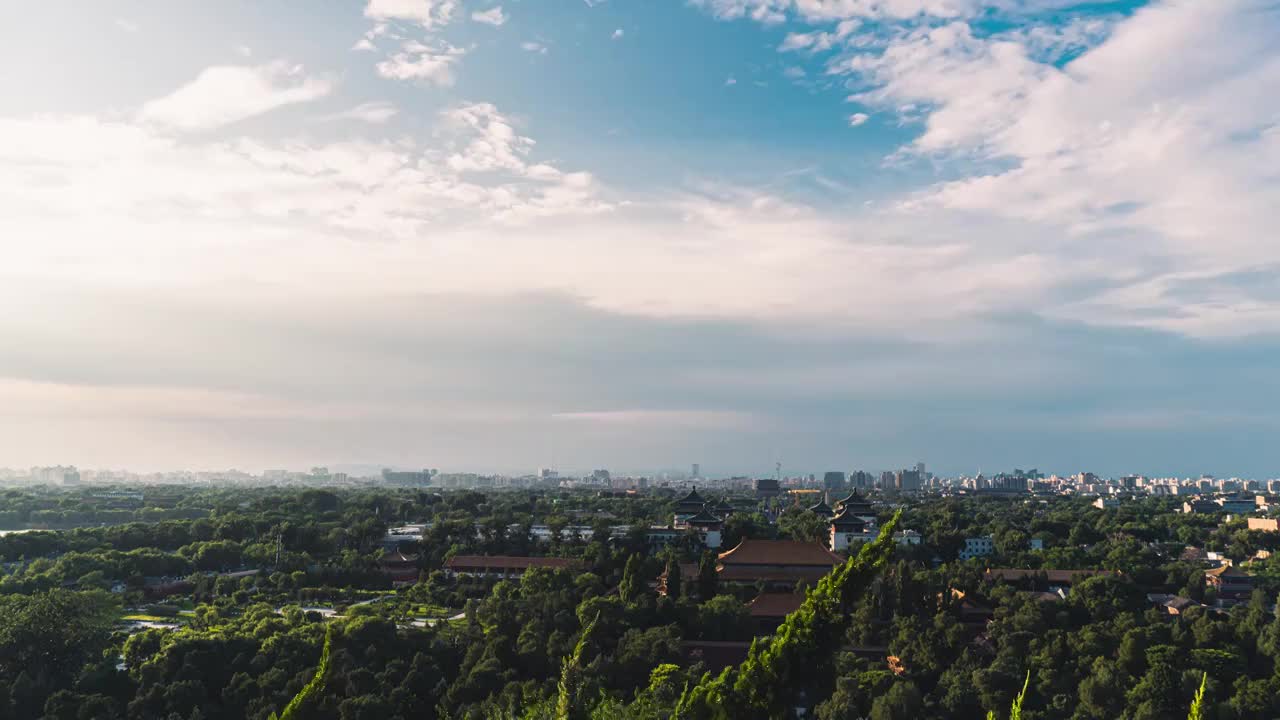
707, 525
822, 509
847, 528
690, 504
857, 505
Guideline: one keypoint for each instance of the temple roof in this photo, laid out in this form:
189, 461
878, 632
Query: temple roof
775, 605
822, 508
846, 518
692, 498
855, 500
395, 557
1226, 571
779, 552
703, 518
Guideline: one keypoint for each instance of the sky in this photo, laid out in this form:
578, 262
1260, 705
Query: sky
639, 234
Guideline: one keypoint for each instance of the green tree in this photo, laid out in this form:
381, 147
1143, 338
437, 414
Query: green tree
48, 637
796, 664
298, 706
708, 578
902, 701
674, 580
632, 586
569, 703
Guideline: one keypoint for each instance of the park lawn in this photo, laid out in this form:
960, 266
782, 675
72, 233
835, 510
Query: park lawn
143, 617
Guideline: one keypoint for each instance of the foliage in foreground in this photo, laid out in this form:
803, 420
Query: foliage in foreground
795, 666
313, 689
1197, 705
1015, 711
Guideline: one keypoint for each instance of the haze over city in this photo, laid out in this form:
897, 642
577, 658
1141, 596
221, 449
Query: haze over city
498, 236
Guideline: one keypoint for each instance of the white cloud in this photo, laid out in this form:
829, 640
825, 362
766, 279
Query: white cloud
731, 80
493, 16
494, 143
772, 12
688, 419
1150, 145
128, 26
819, 41
418, 61
857, 119
428, 13
617, 34
768, 12
368, 41
818, 10
374, 113
67, 174
225, 94
533, 47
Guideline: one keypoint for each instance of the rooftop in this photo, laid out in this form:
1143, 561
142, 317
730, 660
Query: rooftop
1226, 571
692, 498
780, 552
775, 605
846, 518
703, 518
854, 499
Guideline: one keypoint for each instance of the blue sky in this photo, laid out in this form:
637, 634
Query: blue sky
504, 235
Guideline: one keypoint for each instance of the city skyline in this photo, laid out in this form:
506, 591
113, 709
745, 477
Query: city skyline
850, 477
518, 234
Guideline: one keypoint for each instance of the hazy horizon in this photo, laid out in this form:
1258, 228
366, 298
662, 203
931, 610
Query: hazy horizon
847, 234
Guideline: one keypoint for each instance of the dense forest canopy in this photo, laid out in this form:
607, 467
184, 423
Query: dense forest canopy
220, 603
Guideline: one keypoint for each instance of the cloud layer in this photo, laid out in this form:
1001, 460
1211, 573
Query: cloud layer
379, 258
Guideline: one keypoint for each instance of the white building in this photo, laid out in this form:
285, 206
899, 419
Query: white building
977, 547
907, 537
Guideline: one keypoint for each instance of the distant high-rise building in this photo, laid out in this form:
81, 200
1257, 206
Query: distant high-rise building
406, 478
697, 471
1005, 481
920, 469
601, 476
833, 480
888, 480
908, 480
861, 479
56, 475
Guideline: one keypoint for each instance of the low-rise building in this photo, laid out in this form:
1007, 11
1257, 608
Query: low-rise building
975, 547
400, 567
1199, 506
907, 537
1231, 583
1264, 524
768, 488
1236, 505
776, 565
